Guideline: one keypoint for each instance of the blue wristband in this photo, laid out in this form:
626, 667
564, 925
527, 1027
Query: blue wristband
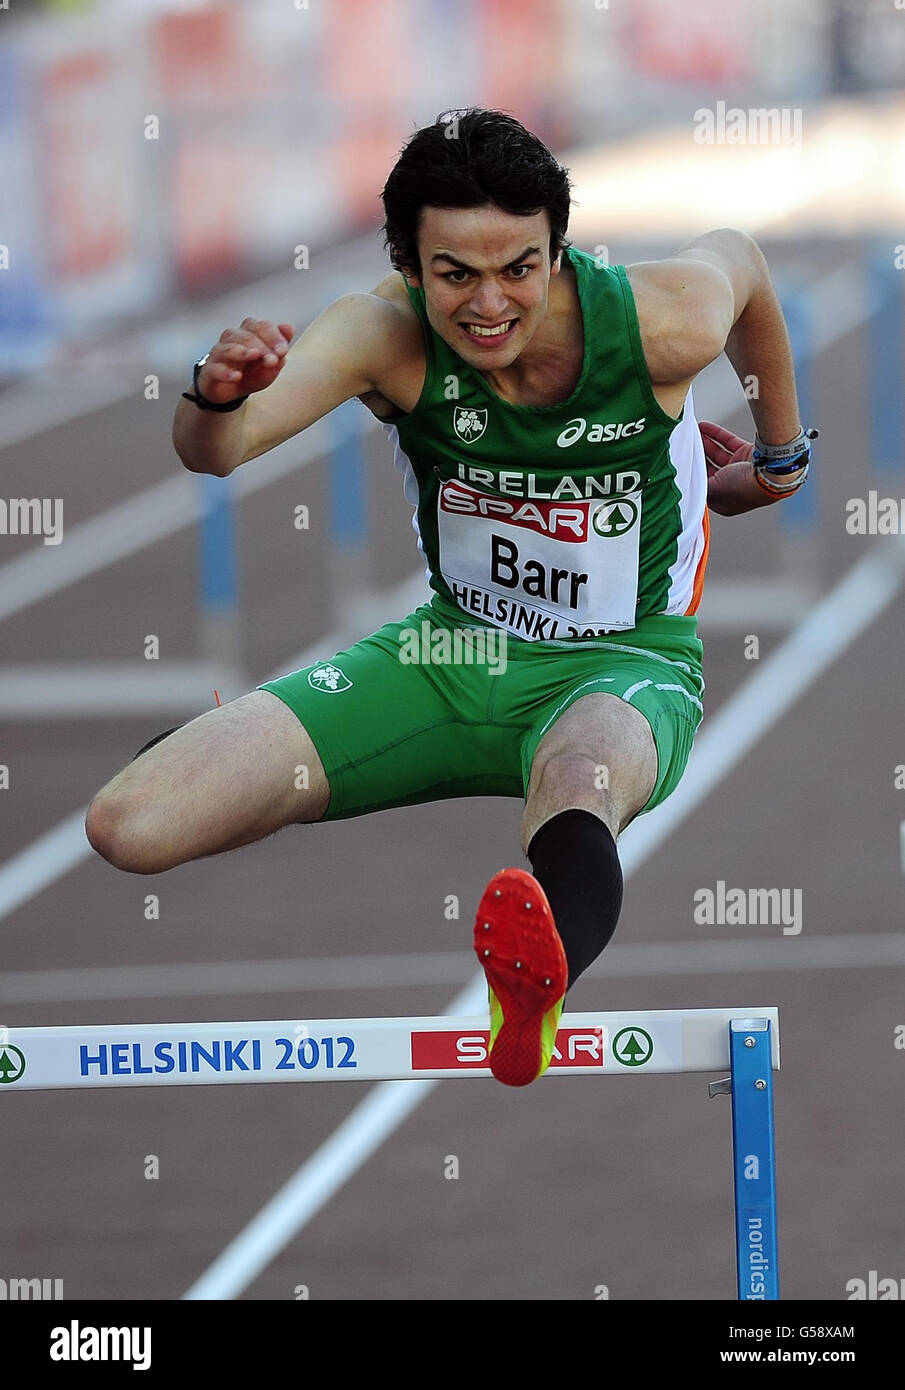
779, 459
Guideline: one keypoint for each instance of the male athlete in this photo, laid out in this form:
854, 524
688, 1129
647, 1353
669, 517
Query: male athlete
540, 408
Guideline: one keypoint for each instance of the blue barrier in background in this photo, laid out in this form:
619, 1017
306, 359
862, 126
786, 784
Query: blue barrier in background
347, 534
346, 475
886, 360
219, 585
799, 512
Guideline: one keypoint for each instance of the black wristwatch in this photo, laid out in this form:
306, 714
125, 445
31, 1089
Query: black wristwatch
201, 401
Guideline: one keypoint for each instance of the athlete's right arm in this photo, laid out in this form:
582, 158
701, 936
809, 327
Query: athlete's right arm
340, 355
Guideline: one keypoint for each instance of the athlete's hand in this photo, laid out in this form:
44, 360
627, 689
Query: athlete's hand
722, 447
730, 487
244, 359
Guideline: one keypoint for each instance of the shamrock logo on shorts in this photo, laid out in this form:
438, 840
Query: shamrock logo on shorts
328, 677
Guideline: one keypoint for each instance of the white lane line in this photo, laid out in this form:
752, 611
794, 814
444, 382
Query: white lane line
849, 608
221, 978
57, 851
157, 511
149, 516
113, 534
350, 1145
104, 376
62, 690
46, 859
845, 613
870, 951
392, 970
27, 410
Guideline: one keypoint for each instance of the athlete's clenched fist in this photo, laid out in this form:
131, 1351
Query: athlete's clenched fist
244, 359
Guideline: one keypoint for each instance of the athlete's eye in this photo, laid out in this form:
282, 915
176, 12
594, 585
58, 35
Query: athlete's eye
451, 274
526, 268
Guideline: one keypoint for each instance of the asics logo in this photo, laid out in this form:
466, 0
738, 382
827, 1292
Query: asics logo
598, 434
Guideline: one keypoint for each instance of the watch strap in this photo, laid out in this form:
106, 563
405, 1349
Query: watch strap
197, 398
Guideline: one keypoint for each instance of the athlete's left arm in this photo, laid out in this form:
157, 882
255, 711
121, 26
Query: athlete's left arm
724, 301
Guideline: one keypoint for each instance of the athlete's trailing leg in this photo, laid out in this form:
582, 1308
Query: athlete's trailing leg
226, 779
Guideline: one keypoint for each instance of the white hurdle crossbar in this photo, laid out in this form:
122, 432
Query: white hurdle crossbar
744, 1042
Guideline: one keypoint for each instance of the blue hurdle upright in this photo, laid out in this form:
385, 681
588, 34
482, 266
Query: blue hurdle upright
754, 1159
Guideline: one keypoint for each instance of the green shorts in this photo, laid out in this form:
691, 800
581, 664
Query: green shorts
425, 708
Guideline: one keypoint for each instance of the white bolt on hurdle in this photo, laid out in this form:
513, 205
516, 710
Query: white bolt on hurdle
744, 1041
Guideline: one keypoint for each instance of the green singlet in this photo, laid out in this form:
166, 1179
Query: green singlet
566, 547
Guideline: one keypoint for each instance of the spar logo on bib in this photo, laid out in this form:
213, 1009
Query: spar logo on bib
615, 518
328, 677
468, 423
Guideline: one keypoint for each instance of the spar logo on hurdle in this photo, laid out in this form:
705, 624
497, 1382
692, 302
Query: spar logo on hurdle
633, 1046
12, 1064
445, 1050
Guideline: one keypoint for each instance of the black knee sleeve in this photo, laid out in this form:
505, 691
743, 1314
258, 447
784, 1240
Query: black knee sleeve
575, 860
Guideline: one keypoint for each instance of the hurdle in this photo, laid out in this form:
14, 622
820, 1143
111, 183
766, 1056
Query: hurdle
743, 1041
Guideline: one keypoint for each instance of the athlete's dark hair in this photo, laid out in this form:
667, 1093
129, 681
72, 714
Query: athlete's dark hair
467, 159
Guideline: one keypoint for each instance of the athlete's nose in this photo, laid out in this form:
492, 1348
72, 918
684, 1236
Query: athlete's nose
488, 303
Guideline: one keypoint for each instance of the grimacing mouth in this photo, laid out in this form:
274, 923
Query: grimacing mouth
490, 330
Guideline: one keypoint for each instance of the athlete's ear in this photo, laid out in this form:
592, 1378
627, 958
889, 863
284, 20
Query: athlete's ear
556, 266
409, 273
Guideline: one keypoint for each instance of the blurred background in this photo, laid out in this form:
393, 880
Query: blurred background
168, 169
156, 151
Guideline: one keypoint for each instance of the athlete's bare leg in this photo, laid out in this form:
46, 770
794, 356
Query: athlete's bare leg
228, 778
600, 756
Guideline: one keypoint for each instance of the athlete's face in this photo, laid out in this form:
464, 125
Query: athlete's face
486, 277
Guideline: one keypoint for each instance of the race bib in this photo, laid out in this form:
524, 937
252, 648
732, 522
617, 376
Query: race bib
541, 569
